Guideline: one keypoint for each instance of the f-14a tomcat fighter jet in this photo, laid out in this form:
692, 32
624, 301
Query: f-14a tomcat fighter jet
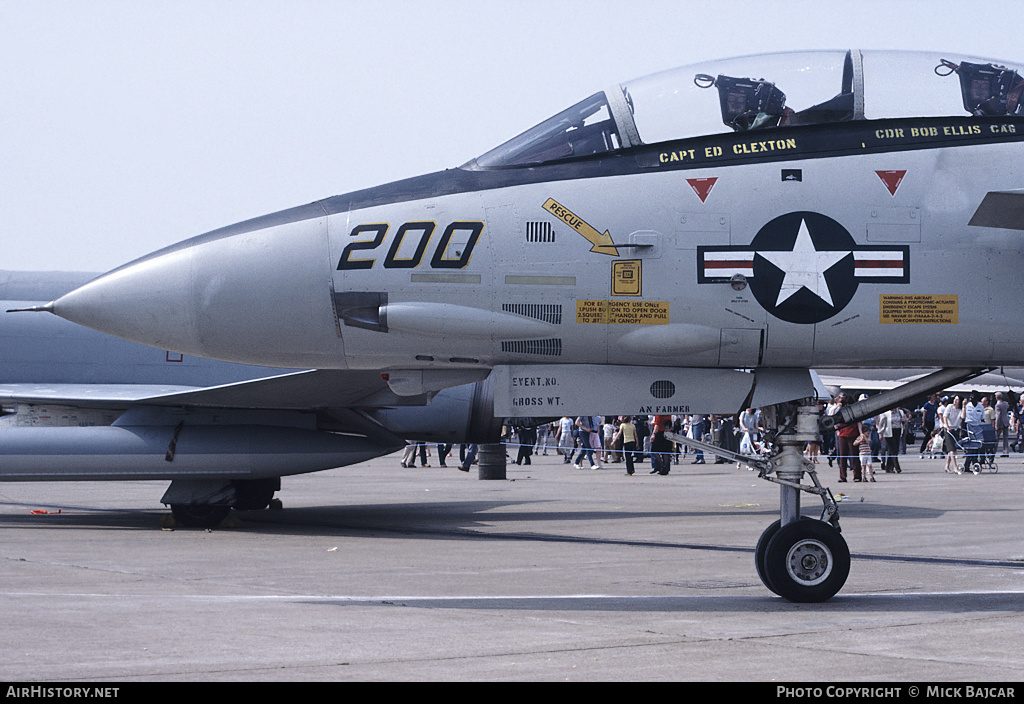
690, 242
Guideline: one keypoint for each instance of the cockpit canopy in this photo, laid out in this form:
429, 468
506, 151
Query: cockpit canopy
766, 92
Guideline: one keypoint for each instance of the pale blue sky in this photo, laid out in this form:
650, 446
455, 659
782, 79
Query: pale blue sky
127, 126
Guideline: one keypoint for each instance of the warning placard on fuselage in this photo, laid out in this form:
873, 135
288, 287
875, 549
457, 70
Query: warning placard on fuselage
919, 309
627, 278
622, 312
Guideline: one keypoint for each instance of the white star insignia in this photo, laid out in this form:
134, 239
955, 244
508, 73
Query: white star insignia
804, 267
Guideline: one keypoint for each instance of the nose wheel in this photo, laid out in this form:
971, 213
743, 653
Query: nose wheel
797, 557
804, 561
200, 515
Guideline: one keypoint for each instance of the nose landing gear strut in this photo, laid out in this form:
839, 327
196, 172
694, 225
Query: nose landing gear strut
801, 559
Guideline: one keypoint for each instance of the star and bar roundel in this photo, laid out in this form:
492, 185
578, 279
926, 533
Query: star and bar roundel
804, 267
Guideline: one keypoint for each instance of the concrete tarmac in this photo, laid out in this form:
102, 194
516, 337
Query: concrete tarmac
377, 572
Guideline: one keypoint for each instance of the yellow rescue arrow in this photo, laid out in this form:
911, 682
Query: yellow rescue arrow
602, 241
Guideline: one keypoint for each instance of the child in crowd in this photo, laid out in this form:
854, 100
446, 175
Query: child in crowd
863, 445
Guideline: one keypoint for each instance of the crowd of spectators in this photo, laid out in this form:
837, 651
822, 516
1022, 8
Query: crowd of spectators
593, 441
937, 428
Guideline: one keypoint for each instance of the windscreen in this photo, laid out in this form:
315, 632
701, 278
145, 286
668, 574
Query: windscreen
584, 129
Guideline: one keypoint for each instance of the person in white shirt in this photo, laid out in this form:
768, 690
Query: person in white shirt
952, 419
609, 441
892, 441
565, 439
973, 411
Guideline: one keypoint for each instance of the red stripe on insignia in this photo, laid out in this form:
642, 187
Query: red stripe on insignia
728, 264
879, 264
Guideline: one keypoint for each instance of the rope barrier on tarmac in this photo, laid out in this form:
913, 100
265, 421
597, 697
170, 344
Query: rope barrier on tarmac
577, 448
640, 455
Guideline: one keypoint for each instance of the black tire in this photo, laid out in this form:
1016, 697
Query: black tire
762, 549
807, 561
200, 515
255, 495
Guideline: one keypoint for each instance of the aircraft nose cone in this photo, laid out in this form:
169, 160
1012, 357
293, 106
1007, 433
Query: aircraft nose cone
254, 295
144, 302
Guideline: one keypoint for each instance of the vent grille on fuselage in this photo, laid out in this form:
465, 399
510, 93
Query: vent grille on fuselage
551, 347
548, 312
539, 232
663, 389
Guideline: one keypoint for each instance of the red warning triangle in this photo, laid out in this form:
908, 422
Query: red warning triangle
892, 179
702, 186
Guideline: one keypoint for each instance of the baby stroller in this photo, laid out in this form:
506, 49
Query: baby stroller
979, 446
